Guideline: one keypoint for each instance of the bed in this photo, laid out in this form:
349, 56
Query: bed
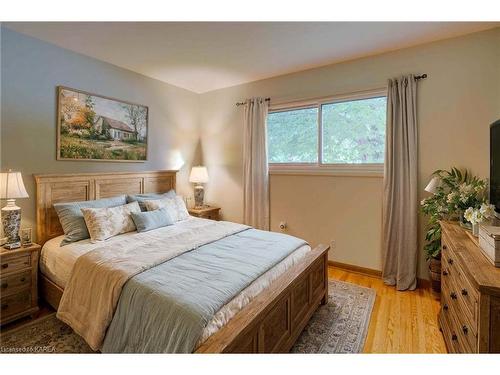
266, 316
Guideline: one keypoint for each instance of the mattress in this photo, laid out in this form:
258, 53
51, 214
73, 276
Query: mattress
56, 263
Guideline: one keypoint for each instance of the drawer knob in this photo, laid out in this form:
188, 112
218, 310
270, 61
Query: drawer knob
5, 306
445, 307
465, 330
5, 285
464, 292
454, 337
450, 261
453, 295
444, 247
5, 265
445, 273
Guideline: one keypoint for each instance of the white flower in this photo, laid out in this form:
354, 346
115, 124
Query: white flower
468, 214
487, 210
423, 202
450, 197
477, 217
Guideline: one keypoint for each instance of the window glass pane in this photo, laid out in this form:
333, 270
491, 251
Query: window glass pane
354, 131
293, 136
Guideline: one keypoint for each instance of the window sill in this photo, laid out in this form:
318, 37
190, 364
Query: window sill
348, 170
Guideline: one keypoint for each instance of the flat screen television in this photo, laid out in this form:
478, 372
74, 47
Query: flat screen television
495, 166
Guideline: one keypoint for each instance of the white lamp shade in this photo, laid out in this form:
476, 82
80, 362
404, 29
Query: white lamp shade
199, 175
433, 185
12, 186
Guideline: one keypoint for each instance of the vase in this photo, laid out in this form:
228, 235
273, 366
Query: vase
464, 223
475, 230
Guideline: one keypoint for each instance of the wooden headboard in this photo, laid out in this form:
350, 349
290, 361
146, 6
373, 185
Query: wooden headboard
58, 188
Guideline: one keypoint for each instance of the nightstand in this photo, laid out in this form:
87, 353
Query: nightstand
206, 212
18, 282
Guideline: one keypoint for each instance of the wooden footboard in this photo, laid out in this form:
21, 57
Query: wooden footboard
273, 321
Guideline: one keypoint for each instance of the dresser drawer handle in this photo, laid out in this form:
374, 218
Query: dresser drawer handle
464, 292
5, 285
465, 330
454, 337
445, 273
5, 265
445, 307
450, 261
453, 295
5, 306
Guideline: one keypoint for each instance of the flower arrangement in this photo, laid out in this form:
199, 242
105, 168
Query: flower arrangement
457, 191
478, 215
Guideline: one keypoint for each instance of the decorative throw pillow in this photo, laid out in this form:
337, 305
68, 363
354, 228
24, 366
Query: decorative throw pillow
175, 207
104, 223
71, 217
145, 221
141, 198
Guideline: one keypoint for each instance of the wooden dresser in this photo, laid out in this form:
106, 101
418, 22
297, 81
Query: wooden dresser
470, 294
18, 282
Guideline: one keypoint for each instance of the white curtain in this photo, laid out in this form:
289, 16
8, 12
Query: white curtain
400, 200
255, 168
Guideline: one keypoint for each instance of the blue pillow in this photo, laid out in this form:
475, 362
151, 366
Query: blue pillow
140, 198
71, 217
145, 221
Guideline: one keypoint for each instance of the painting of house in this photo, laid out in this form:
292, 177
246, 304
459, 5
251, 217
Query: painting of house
93, 127
117, 130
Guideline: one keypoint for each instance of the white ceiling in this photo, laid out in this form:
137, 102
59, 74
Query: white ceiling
206, 56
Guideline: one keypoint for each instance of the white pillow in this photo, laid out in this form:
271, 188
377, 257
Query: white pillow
175, 207
107, 222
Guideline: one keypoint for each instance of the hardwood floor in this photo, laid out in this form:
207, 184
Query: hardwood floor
401, 322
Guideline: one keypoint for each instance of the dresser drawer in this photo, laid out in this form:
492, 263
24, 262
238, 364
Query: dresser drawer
9, 264
13, 283
463, 296
15, 303
457, 335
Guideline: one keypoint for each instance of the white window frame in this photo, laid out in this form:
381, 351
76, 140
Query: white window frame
320, 168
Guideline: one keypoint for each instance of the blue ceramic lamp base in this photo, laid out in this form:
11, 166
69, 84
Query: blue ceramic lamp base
11, 222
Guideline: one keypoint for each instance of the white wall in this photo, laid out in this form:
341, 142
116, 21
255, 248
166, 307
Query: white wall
456, 104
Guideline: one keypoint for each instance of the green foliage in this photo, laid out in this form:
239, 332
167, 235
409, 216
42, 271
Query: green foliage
457, 190
79, 148
353, 132
293, 136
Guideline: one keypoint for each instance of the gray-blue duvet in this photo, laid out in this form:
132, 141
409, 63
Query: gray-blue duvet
166, 308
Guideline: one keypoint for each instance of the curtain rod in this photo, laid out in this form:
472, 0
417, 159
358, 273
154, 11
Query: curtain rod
423, 76
243, 103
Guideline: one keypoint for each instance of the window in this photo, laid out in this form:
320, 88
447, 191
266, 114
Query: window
346, 132
293, 136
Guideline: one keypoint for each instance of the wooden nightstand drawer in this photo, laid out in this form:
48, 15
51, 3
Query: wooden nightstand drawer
10, 264
13, 283
18, 282
15, 303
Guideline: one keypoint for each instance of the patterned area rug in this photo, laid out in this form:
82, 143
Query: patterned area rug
340, 326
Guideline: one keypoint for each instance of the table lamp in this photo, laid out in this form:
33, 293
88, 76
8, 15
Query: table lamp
433, 185
198, 176
11, 187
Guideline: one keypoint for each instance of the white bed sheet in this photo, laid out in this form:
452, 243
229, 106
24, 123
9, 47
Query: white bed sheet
56, 263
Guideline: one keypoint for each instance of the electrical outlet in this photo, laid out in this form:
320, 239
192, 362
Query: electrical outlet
333, 244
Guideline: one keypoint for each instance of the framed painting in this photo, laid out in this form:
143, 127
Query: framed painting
99, 128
